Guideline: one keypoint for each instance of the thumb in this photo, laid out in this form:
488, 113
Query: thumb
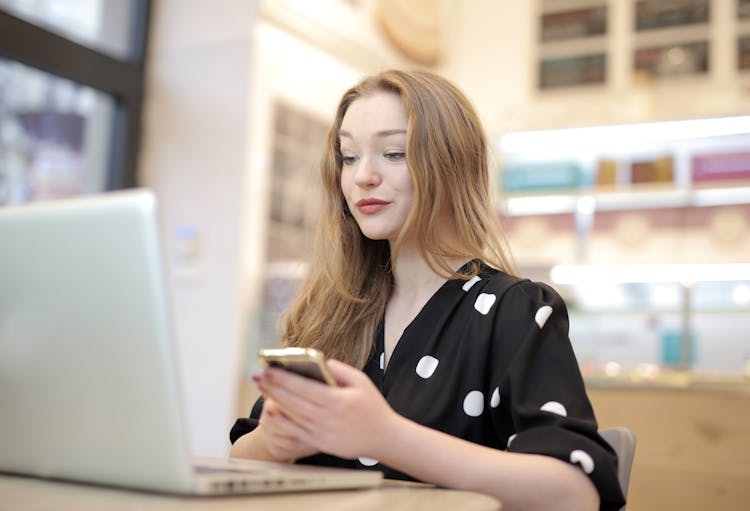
344, 374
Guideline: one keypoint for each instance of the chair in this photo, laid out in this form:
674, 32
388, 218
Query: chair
622, 441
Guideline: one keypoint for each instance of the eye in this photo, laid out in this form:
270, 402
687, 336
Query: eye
348, 160
395, 155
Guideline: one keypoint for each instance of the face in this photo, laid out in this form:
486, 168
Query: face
374, 177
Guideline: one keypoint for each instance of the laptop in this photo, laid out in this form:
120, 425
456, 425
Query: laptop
88, 380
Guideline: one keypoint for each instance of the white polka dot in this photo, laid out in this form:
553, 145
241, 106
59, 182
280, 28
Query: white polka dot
584, 459
474, 403
470, 283
510, 439
555, 407
382, 361
484, 302
368, 462
426, 366
495, 399
542, 315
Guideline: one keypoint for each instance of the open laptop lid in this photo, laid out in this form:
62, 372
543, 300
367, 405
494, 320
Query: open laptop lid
88, 385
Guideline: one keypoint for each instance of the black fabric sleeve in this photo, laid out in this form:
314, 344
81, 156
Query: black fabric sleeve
244, 425
542, 390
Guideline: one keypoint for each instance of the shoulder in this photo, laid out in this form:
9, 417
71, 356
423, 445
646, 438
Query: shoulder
516, 296
497, 281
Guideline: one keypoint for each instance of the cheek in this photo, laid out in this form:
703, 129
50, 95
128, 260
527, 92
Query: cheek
346, 185
343, 183
407, 185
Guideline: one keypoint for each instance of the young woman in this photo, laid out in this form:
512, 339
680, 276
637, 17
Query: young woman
450, 369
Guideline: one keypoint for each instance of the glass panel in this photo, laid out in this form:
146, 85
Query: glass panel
670, 13
680, 59
569, 71
636, 324
106, 25
557, 26
54, 135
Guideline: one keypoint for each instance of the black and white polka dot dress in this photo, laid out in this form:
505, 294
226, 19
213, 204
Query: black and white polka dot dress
489, 360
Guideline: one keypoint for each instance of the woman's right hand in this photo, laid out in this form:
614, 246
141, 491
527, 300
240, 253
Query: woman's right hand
275, 435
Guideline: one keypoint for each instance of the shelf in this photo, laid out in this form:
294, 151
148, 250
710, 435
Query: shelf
638, 43
672, 36
573, 47
650, 198
704, 162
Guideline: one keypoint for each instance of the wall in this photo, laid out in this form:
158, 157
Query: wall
492, 55
297, 73
196, 133
214, 73
489, 56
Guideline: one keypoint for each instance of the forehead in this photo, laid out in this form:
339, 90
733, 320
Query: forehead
375, 112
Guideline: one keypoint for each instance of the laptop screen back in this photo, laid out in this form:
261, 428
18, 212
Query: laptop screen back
88, 384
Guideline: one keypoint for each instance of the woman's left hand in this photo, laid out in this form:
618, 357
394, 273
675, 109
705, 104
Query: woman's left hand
350, 420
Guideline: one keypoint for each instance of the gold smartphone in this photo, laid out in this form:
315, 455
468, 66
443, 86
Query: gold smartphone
303, 361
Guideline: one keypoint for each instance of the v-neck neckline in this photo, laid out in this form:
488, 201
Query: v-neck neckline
446, 287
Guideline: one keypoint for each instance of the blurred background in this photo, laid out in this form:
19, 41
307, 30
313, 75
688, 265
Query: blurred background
620, 135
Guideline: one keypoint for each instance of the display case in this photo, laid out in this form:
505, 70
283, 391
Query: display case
668, 163
645, 231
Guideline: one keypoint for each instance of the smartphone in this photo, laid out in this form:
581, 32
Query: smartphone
303, 361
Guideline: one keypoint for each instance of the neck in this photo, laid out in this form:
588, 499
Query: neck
413, 276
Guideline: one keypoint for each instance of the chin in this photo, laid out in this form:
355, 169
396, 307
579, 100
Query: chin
378, 235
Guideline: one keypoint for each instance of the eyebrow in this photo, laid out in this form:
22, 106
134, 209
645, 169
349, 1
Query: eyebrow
384, 133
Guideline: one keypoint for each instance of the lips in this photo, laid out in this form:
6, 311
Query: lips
371, 206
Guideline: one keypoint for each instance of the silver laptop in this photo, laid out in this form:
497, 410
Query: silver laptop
88, 383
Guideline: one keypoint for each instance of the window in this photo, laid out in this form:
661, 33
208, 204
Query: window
71, 87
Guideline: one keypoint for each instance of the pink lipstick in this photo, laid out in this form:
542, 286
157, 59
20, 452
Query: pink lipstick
371, 206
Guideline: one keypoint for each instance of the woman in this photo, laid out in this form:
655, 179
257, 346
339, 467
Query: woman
450, 370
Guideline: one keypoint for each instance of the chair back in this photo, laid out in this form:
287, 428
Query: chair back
622, 441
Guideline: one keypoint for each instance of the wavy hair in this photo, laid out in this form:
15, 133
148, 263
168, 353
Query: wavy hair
343, 298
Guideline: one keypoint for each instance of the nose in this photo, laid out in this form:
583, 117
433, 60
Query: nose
367, 174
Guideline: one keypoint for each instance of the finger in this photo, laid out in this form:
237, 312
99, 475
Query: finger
344, 374
285, 434
284, 424
312, 391
275, 424
289, 406
280, 446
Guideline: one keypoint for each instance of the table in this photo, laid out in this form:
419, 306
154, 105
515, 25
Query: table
27, 493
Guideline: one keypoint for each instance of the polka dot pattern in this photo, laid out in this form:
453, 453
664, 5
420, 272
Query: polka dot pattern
555, 407
470, 283
495, 399
474, 403
542, 315
426, 366
464, 332
484, 303
584, 459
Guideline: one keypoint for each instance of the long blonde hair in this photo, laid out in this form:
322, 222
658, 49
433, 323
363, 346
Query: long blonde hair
343, 299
